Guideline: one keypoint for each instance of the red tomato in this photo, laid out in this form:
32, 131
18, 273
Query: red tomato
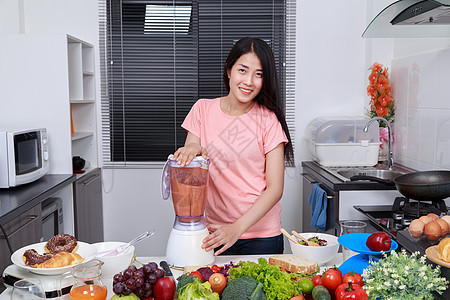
350, 291
317, 280
218, 282
164, 288
197, 274
353, 278
215, 268
335, 269
298, 297
331, 280
284, 270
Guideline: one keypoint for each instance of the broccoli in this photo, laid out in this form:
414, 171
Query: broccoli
243, 288
183, 280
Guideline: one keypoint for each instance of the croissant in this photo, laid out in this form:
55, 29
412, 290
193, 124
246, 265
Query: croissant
61, 259
443, 249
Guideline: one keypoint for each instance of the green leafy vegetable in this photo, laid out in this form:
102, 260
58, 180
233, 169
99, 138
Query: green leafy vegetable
276, 283
198, 290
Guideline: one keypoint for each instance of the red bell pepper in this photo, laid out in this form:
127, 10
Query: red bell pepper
350, 290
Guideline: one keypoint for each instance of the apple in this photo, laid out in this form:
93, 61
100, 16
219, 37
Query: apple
379, 241
164, 288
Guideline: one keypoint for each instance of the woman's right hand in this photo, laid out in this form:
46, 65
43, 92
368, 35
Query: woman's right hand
186, 154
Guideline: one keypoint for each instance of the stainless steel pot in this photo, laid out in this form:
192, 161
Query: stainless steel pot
424, 185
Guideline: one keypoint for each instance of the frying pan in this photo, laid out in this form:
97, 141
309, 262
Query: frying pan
424, 185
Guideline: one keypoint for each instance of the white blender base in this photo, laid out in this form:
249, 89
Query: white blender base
184, 248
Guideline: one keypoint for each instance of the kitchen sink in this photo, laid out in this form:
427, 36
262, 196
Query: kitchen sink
382, 174
379, 171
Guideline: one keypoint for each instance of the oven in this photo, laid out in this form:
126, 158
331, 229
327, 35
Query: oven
52, 218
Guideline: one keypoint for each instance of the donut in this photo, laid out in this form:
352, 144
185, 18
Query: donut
61, 242
49, 260
32, 258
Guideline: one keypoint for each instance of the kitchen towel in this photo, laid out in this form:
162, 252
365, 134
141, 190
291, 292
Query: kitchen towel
318, 202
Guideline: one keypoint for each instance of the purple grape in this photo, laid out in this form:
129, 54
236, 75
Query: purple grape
140, 282
126, 291
151, 278
148, 293
147, 287
118, 288
139, 292
127, 274
153, 265
159, 273
118, 278
130, 283
139, 274
147, 269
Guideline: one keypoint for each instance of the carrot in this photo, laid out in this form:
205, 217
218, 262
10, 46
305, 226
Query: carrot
218, 282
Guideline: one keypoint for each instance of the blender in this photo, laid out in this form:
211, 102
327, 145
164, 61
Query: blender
188, 185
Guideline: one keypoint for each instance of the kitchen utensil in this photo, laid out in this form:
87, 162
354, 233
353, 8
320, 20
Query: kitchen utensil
114, 264
309, 243
322, 254
283, 231
120, 249
28, 288
188, 186
166, 268
85, 250
351, 227
424, 185
78, 163
372, 178
433, 255
88, 283
357, 242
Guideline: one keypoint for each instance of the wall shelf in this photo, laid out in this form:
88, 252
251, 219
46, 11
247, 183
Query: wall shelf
81, 135
82, 98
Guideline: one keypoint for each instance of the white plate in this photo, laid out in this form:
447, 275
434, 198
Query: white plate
86, 251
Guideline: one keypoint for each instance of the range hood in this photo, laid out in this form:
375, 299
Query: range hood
411, 19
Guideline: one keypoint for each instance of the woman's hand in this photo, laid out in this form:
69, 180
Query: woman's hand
186, 154
191, 149
225, 235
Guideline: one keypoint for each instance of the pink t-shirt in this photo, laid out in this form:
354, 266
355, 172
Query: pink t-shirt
237, 148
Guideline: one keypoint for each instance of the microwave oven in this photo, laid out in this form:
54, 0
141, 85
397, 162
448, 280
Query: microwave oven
23, 156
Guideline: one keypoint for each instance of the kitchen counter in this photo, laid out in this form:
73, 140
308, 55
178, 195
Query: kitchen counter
220, 260
17, 200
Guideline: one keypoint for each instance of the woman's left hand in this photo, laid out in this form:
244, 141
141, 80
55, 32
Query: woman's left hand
225, 235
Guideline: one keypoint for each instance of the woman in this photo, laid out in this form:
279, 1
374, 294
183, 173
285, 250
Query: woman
246, 138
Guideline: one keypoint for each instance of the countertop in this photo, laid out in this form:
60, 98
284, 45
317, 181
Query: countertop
219, 260
17, 200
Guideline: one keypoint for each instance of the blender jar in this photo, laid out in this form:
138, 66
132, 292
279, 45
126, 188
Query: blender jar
189, 186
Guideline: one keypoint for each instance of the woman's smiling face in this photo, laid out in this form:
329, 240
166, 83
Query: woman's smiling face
246, 78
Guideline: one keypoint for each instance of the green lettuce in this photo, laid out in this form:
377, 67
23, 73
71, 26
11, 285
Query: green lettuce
198, 290
276, 283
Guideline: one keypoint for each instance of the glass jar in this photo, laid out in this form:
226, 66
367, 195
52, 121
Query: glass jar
88, 284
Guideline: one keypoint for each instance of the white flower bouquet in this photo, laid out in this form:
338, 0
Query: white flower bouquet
403, 276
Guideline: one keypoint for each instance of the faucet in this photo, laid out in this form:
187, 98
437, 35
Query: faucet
390, 157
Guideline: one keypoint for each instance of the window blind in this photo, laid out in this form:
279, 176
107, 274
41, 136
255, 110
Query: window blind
159, 57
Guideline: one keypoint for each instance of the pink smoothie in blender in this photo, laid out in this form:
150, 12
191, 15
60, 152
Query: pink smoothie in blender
189, 186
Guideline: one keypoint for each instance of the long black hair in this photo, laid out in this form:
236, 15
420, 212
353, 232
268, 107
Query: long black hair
270, 95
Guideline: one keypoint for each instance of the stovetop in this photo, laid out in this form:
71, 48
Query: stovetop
383, 218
